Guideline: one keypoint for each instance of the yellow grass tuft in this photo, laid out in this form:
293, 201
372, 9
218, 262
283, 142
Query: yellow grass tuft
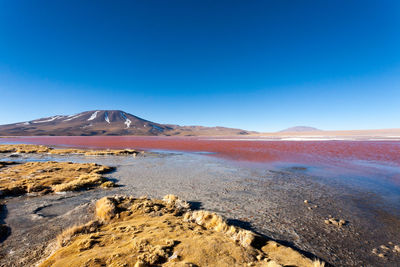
105, 209
67, 236
108, 184
176, 202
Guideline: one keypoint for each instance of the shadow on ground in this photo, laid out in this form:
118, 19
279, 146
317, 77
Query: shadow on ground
5, 231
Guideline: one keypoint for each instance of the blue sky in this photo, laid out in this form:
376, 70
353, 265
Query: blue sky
256, 65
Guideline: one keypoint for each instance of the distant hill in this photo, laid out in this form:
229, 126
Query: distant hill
106, 122
298, 129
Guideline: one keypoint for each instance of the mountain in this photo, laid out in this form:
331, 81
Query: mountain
106, 122
298, 129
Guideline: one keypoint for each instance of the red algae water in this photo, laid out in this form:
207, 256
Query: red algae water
378, 159
247, 149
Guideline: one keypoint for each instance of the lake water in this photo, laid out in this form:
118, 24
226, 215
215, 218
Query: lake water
369, 165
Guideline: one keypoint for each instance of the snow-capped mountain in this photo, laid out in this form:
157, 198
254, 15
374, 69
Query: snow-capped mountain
104, 122
96, 122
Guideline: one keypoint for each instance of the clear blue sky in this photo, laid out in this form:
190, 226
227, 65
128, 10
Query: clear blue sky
256, 65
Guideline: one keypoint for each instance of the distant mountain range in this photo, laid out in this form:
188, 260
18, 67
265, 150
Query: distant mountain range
298, 129
107, 122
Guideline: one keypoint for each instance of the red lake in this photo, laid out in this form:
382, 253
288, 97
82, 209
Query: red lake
380, 159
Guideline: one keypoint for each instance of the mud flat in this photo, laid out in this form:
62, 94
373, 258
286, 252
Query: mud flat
284, 206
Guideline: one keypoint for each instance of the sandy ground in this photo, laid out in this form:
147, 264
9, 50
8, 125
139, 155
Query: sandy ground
266, 201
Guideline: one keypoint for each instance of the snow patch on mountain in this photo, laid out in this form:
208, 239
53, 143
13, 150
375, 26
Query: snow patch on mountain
48, 120
106, 117
86, 126
127, 121
72, 117
94, 115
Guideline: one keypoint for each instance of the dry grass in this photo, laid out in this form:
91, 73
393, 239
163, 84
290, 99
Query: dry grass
143, 232
83, 181
212, 221
51, 176
66, 236
117, 152
108, 184
106, 209
22, 148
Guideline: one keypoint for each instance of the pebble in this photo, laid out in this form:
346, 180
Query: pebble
384, 247
335, 221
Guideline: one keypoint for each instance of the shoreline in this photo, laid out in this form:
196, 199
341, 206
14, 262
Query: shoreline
269, 202
269, 254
